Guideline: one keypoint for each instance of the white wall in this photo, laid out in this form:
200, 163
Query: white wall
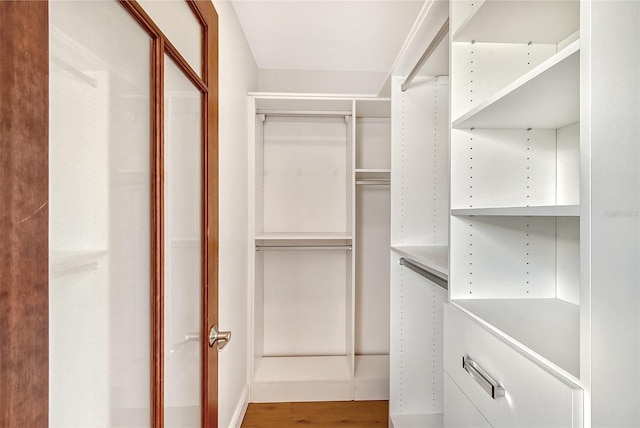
238, 75
614, 206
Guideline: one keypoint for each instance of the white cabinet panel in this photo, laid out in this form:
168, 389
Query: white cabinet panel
503, 168
503, 257
419, 232
419, 159
306, 169
482, 69
304, 302
459, 412
416, 342
533, 397
372, 271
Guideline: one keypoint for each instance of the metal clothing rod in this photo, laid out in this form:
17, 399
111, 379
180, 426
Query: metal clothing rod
303, 248
305, 113
421, 271
427, 54
373, 182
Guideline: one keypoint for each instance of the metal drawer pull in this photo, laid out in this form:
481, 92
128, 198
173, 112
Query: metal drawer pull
487, 383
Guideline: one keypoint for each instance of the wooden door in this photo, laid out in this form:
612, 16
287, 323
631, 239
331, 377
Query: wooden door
23, 214
24, 178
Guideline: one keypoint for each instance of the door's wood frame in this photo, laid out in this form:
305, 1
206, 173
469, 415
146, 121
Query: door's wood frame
24, 214
206, 15
24, 168
157, 234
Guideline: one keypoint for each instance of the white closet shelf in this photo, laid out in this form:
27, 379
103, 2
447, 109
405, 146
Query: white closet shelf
520, 22
433, 258
539, 211
378, 108
299, 102
547, 330
63, 263
435, 420
294, 236
302, 369
547, 97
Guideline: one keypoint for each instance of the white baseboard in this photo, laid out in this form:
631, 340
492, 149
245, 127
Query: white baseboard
241, 409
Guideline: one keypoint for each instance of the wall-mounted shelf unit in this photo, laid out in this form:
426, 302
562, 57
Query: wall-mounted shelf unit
295, 236
529, 211
372, 230
544, 202
546, 97
320, 219
495, 21
555, 337
515, 250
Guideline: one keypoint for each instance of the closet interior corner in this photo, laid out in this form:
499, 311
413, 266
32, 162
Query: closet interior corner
321, 189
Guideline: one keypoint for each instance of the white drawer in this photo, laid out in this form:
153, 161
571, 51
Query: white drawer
532, 396
459, 412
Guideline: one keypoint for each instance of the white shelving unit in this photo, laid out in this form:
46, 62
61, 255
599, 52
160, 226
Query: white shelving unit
515, 165
535, 211
295, 236
372, 231
419, 226
546, 97
303, 238
555, 337
543, 218
515, 171
321, 289
516, 168
493, 21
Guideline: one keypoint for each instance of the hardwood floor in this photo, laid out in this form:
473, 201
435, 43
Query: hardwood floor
328, 414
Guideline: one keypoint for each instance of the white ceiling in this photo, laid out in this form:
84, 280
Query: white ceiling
327, 35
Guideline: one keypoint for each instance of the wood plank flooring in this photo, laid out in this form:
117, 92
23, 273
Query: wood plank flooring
326, 414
